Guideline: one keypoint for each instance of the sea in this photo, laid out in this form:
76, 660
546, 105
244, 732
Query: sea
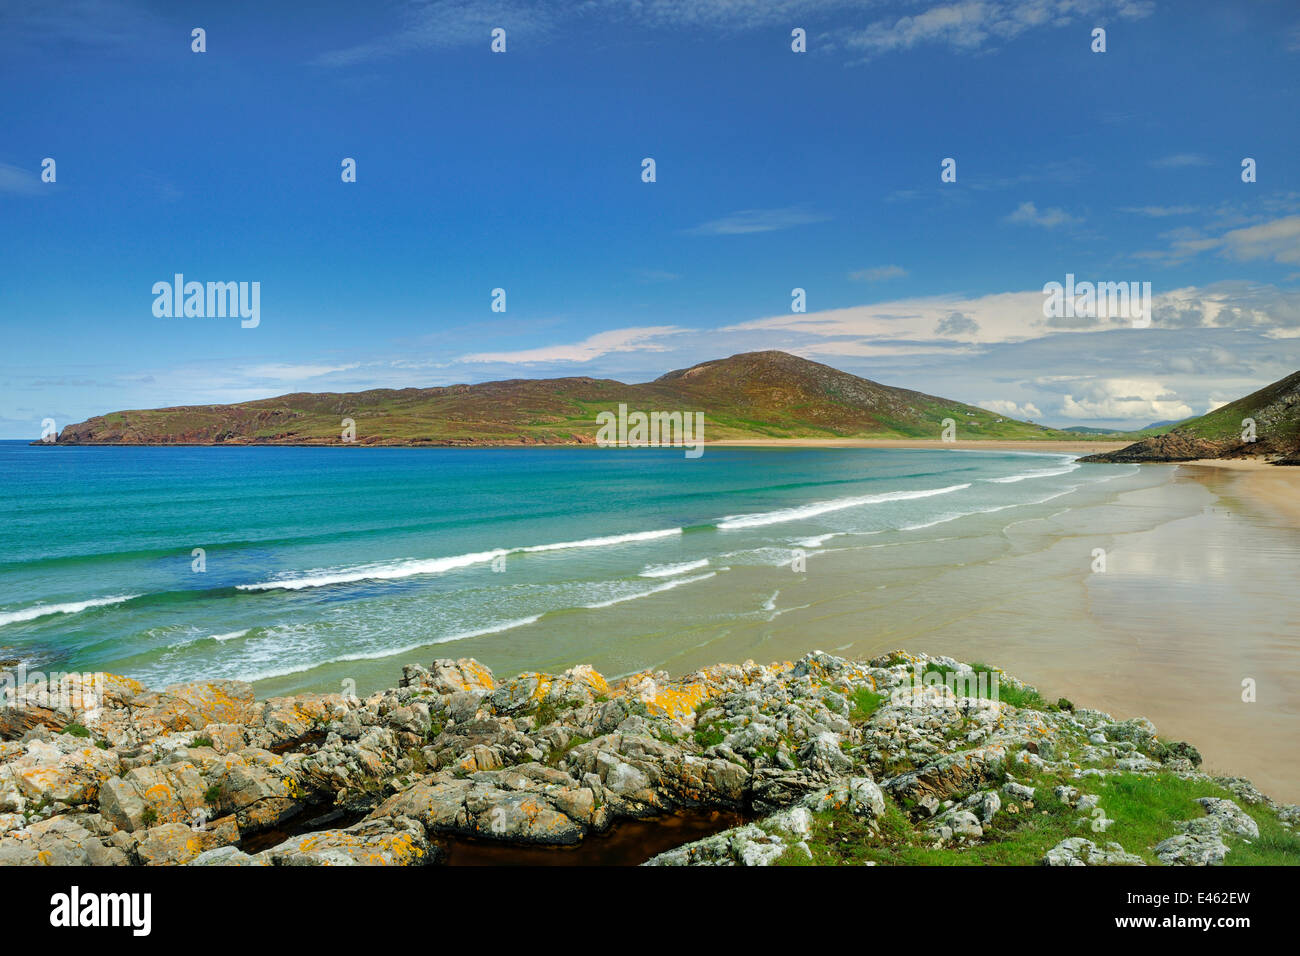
306, 566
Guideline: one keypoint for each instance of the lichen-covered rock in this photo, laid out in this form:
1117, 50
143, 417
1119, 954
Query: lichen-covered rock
186, 775
392, 841
286, 719
1224, 816
447, 677
1076, 851
1188, 849
58, 841
63, 769
948, 774
173, 844
149, 795
258, 787
182, 707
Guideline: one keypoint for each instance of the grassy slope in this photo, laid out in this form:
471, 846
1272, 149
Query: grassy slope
1144, 808
1275, 409
755, 395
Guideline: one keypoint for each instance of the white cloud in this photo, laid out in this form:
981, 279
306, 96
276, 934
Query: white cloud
294, 373
970, 25
1275, 239
1278, 240
940, 323
1124, 399
748, 221
593, 347
1002, 406
1027, 214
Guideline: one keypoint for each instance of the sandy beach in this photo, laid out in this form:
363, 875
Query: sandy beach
1276, 488
1197, 598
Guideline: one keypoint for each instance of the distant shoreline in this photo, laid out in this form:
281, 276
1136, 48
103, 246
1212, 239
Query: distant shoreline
991, 444
1083, 445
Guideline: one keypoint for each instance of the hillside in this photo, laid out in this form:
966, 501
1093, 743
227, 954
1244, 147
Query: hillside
753, 395
1218, 434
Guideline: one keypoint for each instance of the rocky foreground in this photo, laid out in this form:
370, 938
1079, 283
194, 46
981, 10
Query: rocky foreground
833, 761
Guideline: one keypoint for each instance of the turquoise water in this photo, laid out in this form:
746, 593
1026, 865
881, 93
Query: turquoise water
315, 557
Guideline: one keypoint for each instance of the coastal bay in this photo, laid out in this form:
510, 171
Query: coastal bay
986, 554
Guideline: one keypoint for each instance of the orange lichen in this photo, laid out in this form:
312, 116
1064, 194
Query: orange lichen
677, 701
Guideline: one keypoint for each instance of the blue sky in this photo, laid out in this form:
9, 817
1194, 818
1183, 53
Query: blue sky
522, 171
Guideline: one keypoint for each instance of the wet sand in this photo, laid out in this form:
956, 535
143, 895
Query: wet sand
1273, 487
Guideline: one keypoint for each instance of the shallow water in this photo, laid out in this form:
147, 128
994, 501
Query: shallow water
303, 567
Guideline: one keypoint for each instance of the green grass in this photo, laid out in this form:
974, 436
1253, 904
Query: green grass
863, 704
549, 711
709, 736
983, 680
555, 756
1145, 811
76, 730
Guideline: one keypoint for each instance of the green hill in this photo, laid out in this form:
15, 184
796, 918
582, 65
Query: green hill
749, 396
1275, 410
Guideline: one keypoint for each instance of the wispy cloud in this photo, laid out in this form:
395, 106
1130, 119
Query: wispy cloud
1159, 212
1179, 160
434, 24
593, 347
878, 273
1028, 214
748, 221
79, 23
19, 181
973, 25
1277, 240
295, 373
